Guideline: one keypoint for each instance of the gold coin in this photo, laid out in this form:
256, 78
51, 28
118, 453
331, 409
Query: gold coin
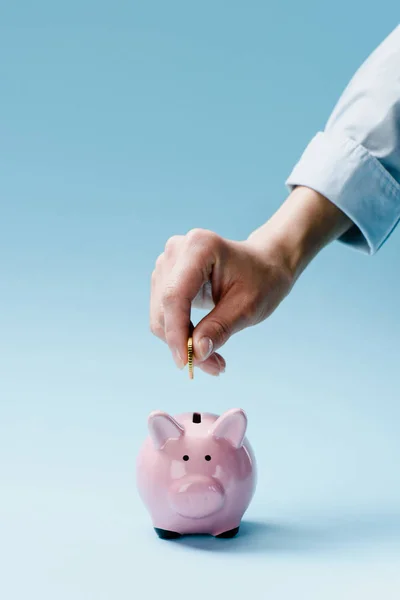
190, 357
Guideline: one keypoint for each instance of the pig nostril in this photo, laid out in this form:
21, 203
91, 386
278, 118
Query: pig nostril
207, 457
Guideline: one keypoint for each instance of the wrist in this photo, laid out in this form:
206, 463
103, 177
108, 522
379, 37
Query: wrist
304, 224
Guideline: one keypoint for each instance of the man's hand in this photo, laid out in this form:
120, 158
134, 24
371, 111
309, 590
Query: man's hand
244, 289
242, 282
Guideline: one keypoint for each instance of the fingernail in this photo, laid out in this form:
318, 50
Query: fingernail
178, 359
205, 348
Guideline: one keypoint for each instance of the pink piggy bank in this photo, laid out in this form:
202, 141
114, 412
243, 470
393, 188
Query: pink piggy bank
196, 473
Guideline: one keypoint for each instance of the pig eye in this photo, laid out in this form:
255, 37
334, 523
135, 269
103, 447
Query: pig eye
186, 457
207, 457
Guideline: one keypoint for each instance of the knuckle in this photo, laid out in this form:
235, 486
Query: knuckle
222, 331
171, 245
169, 296
200, 236
160, 261
156, 329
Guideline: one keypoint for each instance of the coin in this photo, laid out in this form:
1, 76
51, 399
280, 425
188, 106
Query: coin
190, 357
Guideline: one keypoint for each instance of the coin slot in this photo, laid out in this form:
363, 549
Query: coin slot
196, 418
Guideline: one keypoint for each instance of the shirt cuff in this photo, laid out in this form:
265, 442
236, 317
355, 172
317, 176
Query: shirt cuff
356, 182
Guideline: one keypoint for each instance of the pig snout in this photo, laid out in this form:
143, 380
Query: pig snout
197, 498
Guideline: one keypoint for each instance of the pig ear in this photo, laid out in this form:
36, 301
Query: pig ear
163, 427
232, 426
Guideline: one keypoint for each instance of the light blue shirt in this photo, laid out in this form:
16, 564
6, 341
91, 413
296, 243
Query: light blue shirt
355, 161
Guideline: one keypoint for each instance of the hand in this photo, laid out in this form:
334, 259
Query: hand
240, 285
241, 282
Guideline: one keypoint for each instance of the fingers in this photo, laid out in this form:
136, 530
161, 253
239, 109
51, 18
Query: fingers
180, 279
156, 311
214, 365
191, 271
163, 265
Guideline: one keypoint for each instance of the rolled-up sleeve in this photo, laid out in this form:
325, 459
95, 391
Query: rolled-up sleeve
355, 161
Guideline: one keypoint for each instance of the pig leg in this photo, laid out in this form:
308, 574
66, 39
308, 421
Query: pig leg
164, 534
228, 534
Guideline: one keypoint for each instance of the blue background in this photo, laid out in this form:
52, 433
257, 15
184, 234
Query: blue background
121, 124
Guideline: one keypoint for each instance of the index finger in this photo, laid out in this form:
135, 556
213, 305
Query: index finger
192, 269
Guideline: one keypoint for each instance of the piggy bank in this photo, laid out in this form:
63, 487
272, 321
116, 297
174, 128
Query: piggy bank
196, 473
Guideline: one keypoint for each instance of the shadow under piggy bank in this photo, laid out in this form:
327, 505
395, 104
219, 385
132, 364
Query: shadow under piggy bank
330, 533
253, 537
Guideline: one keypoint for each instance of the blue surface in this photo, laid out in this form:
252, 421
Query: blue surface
120, 125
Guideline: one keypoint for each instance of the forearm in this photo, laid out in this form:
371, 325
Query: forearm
304, 224
355, 161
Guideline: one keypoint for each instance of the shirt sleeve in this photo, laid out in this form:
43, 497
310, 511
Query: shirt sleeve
355, 161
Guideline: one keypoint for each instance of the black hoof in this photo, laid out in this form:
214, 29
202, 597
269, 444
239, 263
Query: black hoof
164, 534
228, 534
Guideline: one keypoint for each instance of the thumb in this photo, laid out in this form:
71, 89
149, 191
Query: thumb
214, 330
